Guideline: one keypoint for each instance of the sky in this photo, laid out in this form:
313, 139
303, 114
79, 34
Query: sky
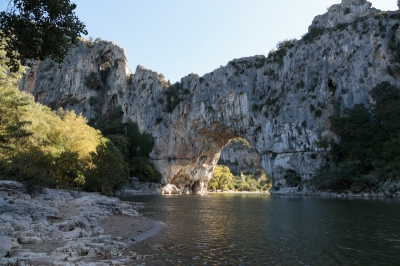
179, 37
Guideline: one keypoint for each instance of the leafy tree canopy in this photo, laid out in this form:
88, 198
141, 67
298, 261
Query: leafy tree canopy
37, 29
12, 105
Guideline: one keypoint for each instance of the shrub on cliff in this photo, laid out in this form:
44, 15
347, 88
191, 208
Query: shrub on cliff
313, 33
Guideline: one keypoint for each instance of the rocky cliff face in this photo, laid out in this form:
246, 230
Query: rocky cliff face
281, 103
239, 156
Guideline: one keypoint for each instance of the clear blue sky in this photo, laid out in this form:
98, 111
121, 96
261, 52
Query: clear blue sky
179, 37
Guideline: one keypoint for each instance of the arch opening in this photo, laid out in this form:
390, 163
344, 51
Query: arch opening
235, 153
244, 162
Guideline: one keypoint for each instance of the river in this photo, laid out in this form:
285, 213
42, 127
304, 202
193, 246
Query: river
258, 229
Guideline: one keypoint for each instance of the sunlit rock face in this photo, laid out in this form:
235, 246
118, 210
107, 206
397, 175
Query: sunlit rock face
280, 104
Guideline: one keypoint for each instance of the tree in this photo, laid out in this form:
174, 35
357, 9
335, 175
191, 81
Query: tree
37, 29
264, 182
13, 104
222, 175
109, 169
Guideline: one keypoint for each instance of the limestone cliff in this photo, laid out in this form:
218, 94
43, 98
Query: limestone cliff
239, 156
280, 103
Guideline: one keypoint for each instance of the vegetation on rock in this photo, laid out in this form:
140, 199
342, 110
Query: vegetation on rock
367, 154
134, 145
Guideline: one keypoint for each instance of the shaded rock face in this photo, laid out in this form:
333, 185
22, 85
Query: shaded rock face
280, 104
239, 156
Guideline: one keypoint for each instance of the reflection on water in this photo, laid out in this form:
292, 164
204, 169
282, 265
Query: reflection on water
256, 229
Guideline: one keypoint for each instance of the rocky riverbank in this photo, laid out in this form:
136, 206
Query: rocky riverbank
389, 189
58, 227
135, 187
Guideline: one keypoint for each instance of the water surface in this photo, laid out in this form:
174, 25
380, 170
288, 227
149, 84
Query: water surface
258, 229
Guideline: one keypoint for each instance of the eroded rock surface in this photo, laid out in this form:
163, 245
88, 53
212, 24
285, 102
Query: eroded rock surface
58, 227
281, 103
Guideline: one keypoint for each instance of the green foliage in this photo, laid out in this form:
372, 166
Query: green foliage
173, 96
48, 65
54, 153
110, 171
144, 170
313, 33
260, 62
367, 153
39, 147
141, 143
39, 29
130, 79
250, 182
240, 143
281, 49
90, 42
342, 26
93, 82
255, 108
300, 85
221, 177
94, 100
264, 182
122, 143
134, 145
322, 142
12, 123
69, 101
394, 47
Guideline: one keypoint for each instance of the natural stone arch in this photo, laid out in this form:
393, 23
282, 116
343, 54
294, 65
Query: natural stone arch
239, 156
249, 98
280, 103
194, 145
